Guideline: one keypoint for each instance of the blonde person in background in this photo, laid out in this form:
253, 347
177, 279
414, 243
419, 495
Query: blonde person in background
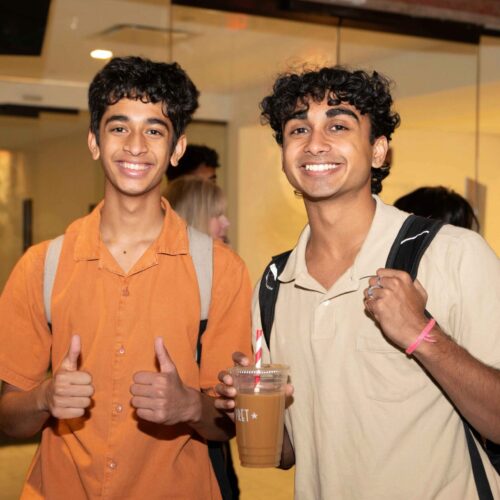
201, 203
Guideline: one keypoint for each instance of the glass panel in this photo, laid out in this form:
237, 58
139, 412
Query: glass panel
234, 59
435, 94
489, 138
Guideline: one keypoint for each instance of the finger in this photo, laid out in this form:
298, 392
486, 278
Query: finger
144, 403
224, 404
164, 360
74, 390
144, 390
145, 378
70, 362
240, 359
225, 377
72, 402
225, 391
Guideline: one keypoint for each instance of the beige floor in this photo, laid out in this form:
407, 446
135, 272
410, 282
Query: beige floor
255, 484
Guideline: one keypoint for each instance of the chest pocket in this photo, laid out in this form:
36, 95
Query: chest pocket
387, 374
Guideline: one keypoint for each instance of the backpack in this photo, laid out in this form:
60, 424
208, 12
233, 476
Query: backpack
201, 250
405, 254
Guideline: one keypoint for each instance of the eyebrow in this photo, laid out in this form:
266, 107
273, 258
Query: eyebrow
301, 114
125, 118
341, 111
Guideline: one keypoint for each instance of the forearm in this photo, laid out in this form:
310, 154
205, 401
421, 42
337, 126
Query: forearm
473, 387
206, 420
23, 413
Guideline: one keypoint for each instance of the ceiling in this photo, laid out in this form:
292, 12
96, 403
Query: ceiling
223, 52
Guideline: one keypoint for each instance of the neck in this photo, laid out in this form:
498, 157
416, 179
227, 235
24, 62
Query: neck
130, 220
339, 227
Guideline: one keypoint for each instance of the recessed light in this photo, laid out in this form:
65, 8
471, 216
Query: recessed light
101, 54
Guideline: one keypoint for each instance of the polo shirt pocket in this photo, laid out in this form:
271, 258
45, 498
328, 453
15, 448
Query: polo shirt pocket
387, 374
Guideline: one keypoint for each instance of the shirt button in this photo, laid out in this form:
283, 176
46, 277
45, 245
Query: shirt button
112, 464
121, 350
118, 408
125, 291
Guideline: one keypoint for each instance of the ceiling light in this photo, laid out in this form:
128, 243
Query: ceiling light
101, 54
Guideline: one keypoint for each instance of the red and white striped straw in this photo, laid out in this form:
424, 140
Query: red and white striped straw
258, 348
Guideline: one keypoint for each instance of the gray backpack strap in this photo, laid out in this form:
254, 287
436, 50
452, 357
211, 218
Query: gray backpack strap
49, 273
201, 250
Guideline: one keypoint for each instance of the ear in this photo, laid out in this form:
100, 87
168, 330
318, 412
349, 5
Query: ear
179, 149
379, 151
93, 146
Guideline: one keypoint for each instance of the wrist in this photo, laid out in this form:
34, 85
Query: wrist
42, 396
193, 406
425, 335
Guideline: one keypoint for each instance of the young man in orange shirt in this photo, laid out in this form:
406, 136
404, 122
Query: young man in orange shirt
126, 411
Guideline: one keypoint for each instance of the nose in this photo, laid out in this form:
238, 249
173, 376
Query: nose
224, 222
135, 143
317, 143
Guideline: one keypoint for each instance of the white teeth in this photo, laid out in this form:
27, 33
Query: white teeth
321, 167
134, 166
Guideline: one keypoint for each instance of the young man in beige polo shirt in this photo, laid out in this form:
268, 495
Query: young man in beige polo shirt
369, 421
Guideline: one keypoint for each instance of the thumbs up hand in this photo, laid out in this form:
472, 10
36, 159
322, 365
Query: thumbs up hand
161, 397
68, 392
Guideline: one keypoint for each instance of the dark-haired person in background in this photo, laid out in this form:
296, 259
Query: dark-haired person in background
438, 202
126, 411
367, 420
197, 160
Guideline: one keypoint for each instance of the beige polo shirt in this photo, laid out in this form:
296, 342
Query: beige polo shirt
367, 422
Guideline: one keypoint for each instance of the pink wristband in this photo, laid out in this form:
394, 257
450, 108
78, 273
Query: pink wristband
424, 335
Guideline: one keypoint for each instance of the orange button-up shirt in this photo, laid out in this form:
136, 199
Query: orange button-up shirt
109, 452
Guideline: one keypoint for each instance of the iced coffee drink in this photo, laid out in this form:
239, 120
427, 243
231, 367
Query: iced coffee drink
259, 411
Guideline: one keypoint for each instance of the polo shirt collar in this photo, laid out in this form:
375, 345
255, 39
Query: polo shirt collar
172, 240
373, 253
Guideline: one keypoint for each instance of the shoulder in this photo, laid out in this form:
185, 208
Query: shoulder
34, 258
457, 242
224, 256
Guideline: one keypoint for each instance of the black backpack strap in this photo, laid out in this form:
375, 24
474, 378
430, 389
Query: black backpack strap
480, 478
412, 241
268, 292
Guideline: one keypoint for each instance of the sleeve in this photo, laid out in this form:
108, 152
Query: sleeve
24, 334
479, 300
465, 291
228, 328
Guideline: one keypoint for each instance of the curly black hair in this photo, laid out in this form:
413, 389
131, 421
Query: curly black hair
370, 94
438, 202
138, 78
194, 156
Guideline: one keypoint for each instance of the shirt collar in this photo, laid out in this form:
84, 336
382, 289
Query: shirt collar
373, 253
172, 240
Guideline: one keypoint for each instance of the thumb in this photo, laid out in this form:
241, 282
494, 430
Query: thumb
70, 362
162, 356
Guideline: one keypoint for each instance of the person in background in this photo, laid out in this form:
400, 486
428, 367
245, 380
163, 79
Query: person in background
126, 410
438, 202
201, 203
198, 160
379, 389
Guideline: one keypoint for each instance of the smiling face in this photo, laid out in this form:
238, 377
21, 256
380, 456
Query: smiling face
135, 147
327, 151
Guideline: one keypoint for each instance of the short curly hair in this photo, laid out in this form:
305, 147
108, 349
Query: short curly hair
138, 78
369, 93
